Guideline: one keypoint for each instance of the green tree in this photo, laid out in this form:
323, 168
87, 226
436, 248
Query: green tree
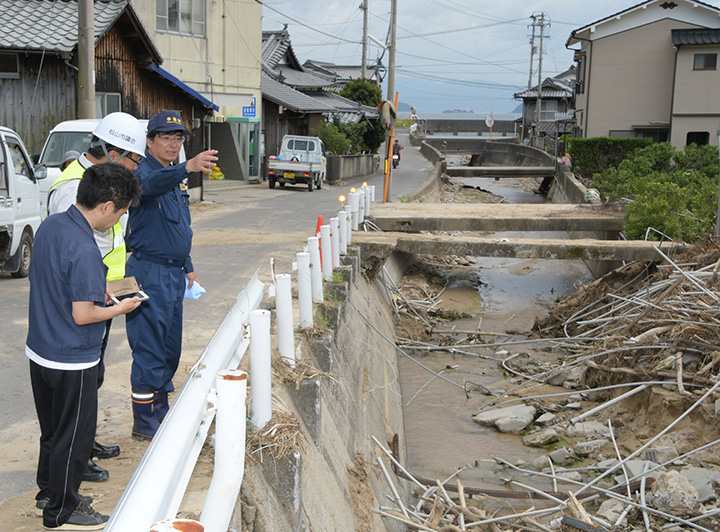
335, 141
361, 90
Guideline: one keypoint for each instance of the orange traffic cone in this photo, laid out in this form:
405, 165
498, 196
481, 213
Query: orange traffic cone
317, 234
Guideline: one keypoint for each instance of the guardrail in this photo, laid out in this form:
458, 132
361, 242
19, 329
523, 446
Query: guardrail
152, 498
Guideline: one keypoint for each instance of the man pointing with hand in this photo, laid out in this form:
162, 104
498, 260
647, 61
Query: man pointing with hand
161, 238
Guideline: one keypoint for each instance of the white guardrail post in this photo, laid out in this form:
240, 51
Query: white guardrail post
315, 268
230, 431
155, 491
305, 303
326, 250
368, 196
342, 230
335, 241
260, 368
348, 211
284, 310
355, 209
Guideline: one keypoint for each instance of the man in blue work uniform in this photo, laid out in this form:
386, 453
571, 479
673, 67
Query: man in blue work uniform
66, 322
161, 238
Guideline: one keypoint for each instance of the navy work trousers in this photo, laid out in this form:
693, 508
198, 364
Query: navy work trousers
154, 329
66, 405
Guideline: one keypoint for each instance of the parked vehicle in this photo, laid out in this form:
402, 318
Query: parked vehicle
20, 207
301, 161
69, 135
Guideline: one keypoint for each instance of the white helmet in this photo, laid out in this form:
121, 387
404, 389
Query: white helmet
122, 131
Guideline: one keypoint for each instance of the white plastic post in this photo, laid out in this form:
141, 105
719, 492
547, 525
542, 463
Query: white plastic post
315, 268
335, 241
326, 248
372, 192
260, 375
284, 309
368, 194
348, 211
354, 208
230, 429
304, 290
343, 232
361, 205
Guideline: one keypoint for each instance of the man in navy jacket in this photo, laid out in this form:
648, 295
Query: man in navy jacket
161, 238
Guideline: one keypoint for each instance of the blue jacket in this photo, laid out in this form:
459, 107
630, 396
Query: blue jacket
160, 224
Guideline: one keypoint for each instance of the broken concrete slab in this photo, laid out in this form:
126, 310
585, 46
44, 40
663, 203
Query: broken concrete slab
673, 493
540, 437
588, 429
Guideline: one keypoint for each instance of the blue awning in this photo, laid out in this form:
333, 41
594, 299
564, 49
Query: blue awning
192, 92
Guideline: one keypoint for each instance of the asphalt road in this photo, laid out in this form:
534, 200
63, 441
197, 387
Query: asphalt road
237, 231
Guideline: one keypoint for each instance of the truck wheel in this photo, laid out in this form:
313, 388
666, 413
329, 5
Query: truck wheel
271, 182
321, 180
311, 182
25, 252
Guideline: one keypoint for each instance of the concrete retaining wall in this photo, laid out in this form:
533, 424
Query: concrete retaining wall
332, 482
343, 167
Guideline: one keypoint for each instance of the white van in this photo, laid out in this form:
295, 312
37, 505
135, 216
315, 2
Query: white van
70, 135
20, 206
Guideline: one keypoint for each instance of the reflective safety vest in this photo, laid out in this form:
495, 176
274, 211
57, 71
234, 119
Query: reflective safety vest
112, 243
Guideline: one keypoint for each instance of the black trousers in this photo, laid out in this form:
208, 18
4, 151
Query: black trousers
66, 405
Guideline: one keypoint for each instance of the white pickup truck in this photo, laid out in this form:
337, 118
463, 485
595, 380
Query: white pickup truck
20, 206
301, 160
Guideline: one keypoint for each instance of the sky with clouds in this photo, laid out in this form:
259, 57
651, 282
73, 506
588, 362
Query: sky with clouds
451, 54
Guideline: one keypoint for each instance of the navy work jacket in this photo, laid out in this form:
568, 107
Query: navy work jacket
160, 224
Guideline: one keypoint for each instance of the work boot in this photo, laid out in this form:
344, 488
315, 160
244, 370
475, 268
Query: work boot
40, 504
145, 424
95, 473
161, 405
84, 517
104, 451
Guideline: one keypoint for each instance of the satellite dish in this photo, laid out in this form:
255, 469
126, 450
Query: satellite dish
388, 115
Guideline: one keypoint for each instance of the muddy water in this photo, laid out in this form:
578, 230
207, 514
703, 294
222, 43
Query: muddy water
510, 295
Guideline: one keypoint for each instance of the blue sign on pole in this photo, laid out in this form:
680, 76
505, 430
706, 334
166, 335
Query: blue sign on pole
250, 110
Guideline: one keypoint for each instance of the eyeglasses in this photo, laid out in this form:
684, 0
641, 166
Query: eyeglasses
171, 138
137, 159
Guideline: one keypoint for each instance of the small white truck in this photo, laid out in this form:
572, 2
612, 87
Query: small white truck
20, 206
301, 161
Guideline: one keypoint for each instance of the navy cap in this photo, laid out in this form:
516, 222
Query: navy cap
166, 121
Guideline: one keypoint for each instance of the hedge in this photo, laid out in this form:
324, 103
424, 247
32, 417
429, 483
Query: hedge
594, 155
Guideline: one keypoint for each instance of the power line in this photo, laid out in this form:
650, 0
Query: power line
308, 26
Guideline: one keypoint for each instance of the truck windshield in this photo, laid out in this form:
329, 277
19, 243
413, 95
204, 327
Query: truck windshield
62, 141
301, 145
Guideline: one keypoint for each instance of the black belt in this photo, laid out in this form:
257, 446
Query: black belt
176, 263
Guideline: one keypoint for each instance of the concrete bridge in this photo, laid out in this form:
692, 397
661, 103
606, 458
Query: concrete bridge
500, 171
401, 224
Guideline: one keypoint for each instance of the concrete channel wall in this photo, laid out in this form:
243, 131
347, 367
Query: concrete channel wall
331, 481
343, 167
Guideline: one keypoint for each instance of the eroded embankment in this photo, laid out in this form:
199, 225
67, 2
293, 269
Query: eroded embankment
314, 466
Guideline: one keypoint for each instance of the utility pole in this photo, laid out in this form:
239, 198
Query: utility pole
364, 7
390, 96
539, 89
532, 51
86, 59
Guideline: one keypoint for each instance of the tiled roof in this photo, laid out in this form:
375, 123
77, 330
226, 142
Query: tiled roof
51, 24
347, 107
292, 99
696, 37
275, 46
641, 5
342, 72
551, 88
300, 79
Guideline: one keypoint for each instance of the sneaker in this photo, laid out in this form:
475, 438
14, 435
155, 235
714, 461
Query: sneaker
84, 517
42, 503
